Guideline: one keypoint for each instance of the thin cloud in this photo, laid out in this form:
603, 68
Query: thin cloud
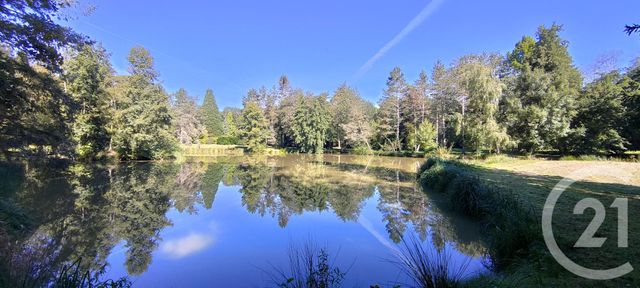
187, 245
415, 22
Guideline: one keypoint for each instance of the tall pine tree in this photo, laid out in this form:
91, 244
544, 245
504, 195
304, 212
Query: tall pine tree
390, 112
211, 117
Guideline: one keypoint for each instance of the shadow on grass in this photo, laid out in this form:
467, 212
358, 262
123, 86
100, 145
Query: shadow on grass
532, 190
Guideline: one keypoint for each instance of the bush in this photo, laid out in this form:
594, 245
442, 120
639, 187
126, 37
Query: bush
428, 164
361, 150
467, 195
442, 152
228, 140
438, 176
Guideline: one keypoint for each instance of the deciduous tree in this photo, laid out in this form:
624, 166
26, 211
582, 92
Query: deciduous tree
143, 119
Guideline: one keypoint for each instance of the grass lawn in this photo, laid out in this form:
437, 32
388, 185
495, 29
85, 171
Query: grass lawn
531, 181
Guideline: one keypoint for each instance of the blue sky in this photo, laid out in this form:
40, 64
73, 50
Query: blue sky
233, 45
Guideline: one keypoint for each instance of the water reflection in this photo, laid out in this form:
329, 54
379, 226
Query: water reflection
84, 212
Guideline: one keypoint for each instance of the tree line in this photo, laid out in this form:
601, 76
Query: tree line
61, 97
532, 99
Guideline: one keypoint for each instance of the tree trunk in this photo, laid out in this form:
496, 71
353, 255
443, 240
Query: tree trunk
398, 124
437, 129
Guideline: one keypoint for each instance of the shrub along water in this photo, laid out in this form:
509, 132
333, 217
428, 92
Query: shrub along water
512, 224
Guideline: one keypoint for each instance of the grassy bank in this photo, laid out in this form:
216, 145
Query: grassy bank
507, 195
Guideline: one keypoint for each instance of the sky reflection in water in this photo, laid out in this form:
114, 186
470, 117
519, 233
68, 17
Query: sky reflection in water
229, 222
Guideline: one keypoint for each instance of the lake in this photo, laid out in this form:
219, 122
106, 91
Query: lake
233, 222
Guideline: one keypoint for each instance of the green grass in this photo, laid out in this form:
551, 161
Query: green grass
510, 194
510, 223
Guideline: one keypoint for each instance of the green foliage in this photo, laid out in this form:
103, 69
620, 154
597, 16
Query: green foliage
211, 117
630, 84
439, 176
142, 115
344, 103
361, 150
522, 54
468, 187
541, 91
389, 116
311, 123
254, 129
514, 228
423, 138
475, 78
30, 28
34, 110
600, 119
350, 122
87, 74
230, 128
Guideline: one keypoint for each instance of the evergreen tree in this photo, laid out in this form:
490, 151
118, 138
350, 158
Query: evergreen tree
211, 117
142, 118
285, 92
86, 78
185, 118
229, 127
631, 101
285, 116
600, 119
311, 122
414, 102
542, 90
443, 102
254, 129
390, 112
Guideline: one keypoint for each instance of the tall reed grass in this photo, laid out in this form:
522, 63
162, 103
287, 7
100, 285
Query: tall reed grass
309, 267
511, 224
430, 268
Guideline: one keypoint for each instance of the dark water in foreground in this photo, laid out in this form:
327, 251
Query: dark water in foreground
229, 222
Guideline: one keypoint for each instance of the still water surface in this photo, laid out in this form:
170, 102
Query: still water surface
229, 222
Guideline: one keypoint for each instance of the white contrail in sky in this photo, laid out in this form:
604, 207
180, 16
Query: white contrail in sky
415, 22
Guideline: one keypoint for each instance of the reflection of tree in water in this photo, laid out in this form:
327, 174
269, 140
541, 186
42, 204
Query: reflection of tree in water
85, 228
84, 211
462, 233
285, 189
188, 181
210, 183
141, 195
81, 213
401, 204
